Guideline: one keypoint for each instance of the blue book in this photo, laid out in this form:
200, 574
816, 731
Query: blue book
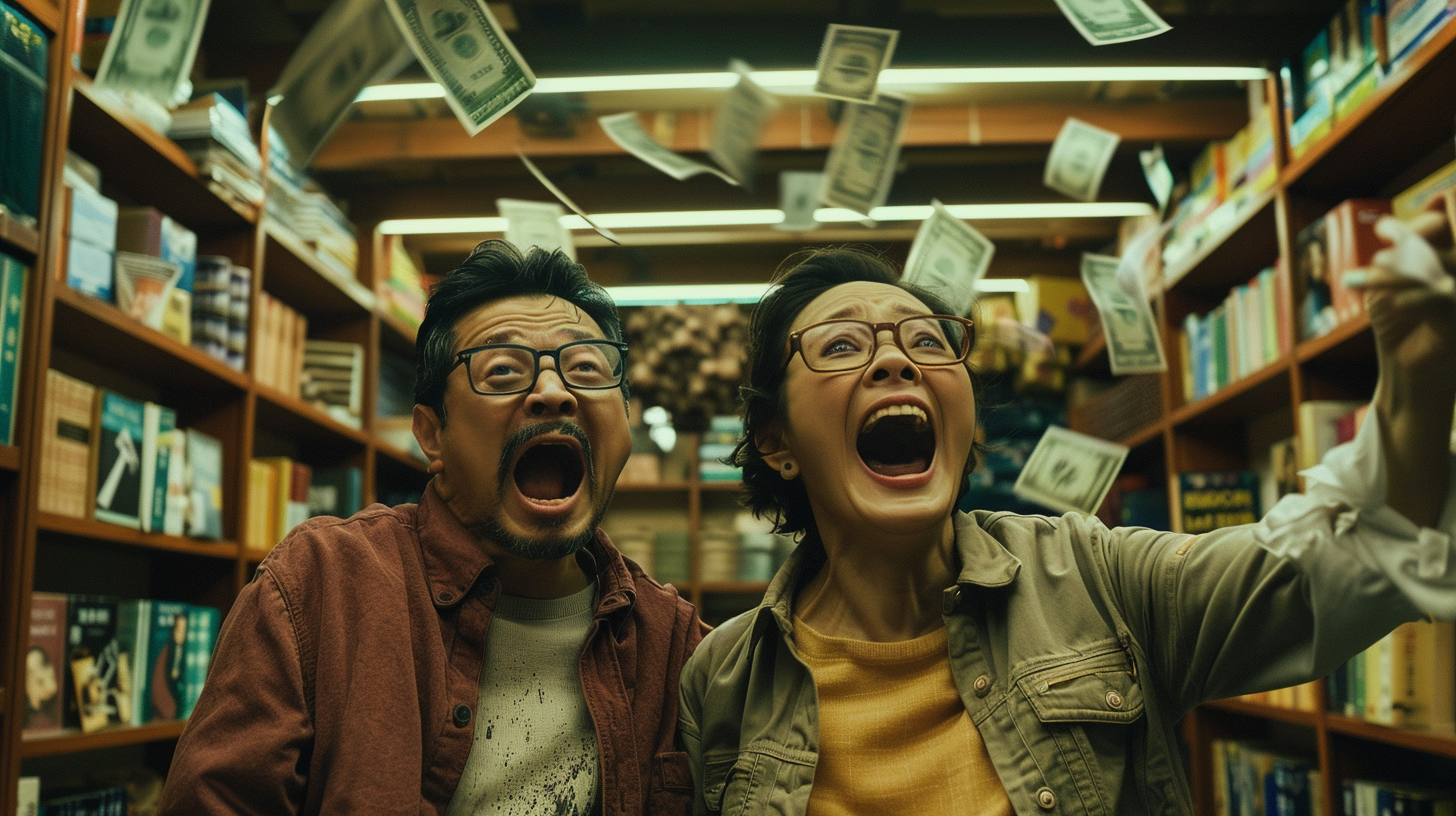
119, 461
202, 626
12, 330
160, 424
204, 461
23, 59
165, 674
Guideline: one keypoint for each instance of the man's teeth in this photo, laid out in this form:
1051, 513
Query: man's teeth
921, 418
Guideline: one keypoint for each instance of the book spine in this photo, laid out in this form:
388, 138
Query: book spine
12, 330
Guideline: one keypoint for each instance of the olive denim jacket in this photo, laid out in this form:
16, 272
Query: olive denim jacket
1077, 649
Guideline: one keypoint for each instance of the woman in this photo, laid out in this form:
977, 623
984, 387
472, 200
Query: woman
912, 659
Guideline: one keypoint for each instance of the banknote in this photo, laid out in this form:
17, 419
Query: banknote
1160, 178
153, 44
861, 164
798, 198
465, 50
1079, 159
354, 44
850, 61
626, 130
1104, 22
535, 223
563, 198
737, 124
1069, 471
1133, 344
948, 257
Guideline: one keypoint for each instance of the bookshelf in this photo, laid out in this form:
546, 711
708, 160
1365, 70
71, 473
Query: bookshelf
1388, 142
96, 342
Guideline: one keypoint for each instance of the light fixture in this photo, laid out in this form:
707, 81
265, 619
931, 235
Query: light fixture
739, 218
803, 80
715, 293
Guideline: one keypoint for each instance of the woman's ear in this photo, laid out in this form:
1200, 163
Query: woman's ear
775, 450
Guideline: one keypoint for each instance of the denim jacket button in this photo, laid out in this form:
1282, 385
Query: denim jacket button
1045, 799
461, 715
1114, 699
982, 685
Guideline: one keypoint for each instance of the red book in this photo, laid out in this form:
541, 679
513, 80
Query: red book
43, 663
1353, 244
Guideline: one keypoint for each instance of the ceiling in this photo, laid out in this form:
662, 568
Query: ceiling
967, 144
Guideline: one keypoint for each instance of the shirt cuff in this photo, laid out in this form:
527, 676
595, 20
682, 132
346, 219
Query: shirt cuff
1343, 514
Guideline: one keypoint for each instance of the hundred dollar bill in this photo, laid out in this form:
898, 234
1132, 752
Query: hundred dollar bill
626, 130
1133, 344
1160, 178
948, 257
1079, 159
1103, 22
353, 45
737, 125
151, 49
861, 163
798, 198
562, 197
464, 49
850, 61
1069, 471
535, 223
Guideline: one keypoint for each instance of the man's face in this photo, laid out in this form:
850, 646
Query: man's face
532, 472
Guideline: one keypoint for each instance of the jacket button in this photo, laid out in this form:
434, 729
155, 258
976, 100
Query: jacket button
982, 685
950, 600
1045, 799
461, 715
447, 597
1114, 699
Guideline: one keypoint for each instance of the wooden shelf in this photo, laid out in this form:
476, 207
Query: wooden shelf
115, 533
1240, 400
396, 334
654, 487
710, 486
1442, 743
399, 456
1351, 339
1388, 132
99, 331
148, 166
1225, 261
300, 420
1267, 712
71, 741
9, 457
1142, 437
1093, 358
294, 274
18, 238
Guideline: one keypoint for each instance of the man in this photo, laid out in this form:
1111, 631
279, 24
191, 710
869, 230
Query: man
485, 651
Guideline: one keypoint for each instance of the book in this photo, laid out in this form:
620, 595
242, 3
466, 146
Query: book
282, 485
1284, 462
158, 424
27, 801
24, 52
13, 276
1353, 244
204, 464
333, 379
1317, 432
296, 511
119, 461
134, 618
336, 491
202, 626
240, 293
1423, 676
148, 231
94, 662
144, 286
68, 451
45, 659
262, 507
212, 305
1210, 500
1312, 270
166, 661
90, 241
174, 519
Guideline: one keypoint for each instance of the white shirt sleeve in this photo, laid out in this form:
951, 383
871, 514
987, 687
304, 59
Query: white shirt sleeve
1343, 514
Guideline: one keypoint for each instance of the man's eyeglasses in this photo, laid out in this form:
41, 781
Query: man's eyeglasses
844, 345
505, 368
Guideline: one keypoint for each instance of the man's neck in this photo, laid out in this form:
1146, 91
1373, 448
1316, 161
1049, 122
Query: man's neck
529, 578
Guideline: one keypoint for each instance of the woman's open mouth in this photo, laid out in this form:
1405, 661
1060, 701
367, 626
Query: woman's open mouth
897, 440
551, 470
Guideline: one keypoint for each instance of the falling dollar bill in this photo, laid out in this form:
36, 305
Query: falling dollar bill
1103, 22
1133, 344
153, 44
737, 124
354, 44
465, 50
626, 130
1079, 159
1159, 176
1069, 471
563, 198
862, 161
798, 198
850, 61
535, 223
948, 257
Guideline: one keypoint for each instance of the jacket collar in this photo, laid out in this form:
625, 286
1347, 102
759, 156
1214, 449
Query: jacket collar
984, 562
455, 562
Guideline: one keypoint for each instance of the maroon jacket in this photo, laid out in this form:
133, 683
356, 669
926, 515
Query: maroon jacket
346, 676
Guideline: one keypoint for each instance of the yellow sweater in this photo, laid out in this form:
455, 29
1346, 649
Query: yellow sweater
894, 736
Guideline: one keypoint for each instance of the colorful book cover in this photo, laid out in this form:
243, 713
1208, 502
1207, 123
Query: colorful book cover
132, 638
45, 660
95, 664
159, 423
1312, 270
12, 329
167, 661
119, 461
202, 626
204, 460
1211, 500
174, 520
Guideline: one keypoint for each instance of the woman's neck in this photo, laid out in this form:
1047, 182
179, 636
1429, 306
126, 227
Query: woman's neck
881, 590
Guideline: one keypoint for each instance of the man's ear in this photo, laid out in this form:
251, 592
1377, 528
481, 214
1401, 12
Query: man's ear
771, 444
427, 433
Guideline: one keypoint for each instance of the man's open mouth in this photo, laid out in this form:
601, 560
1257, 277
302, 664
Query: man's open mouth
550, 470
897, 440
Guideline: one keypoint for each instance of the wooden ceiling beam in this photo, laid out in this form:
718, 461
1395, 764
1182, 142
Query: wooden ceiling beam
364, 143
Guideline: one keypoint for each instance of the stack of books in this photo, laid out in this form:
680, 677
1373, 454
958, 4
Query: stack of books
215, 134
333, 379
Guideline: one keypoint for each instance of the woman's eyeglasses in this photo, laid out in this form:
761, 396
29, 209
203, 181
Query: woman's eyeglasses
844, 345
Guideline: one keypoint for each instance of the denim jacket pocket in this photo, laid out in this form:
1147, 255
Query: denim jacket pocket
671, 793
762, 781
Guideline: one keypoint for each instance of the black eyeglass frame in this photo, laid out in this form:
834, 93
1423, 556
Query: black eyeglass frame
463, 357
796, 345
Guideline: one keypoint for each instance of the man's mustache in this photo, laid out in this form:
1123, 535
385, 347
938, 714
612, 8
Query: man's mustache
520, 438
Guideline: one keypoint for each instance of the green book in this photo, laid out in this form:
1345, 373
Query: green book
119, 461
202, 626
12, 331
160, 422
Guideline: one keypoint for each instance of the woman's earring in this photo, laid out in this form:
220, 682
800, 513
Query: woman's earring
789, 470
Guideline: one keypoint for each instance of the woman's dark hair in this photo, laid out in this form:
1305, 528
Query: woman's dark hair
495, 270
802, 277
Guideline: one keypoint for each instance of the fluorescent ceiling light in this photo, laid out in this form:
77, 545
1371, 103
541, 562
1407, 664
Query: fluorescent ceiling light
1002, 285
709, 293
804, 79
992, 212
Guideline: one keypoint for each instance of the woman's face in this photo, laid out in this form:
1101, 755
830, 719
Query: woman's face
881, 447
